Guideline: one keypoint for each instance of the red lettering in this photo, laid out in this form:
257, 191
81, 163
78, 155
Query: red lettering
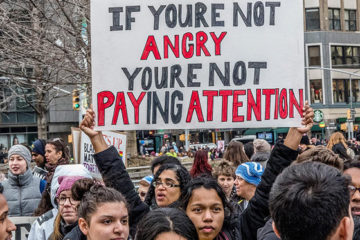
276, 111
187, 53
268, 93
120, 105
217, 41
150, 46
251, 105
236, 105
201, 39
175, 48
136, 103
102, 105
283, 103
210, 103
224, 94
195, 105
293, 102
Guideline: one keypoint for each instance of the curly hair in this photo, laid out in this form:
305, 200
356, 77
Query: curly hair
200, 165
224, 168
323, 155
60, 145
182, 176
235, 153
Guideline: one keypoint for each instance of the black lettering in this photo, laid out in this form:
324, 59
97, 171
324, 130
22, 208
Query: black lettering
191, 76
188, 19
246, 19
237, 80
215, 15
175, 72
131, 77
224, 78
257, 66
129, 19
200, 10
116, 18
164, 77
171, 16
156, 14
176, 117
157, 105
144, 85
259, 13
272, 6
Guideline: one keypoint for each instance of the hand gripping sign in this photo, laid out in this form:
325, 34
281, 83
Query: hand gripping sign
186, 64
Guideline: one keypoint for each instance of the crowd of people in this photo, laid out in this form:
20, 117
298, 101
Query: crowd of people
296, 189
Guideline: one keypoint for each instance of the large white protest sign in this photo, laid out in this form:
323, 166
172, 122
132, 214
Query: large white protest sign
186, 64
87, 150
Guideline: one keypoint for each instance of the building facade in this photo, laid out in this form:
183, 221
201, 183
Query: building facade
332, 50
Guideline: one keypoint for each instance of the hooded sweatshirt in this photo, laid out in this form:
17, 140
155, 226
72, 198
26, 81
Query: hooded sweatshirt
43, 227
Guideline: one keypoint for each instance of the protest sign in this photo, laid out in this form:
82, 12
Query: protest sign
23, 226
75, 133
40, 173
207, 64
87, 150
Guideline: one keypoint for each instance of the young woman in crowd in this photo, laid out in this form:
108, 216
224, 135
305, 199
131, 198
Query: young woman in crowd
224, 174
337, 143
103, 213
235, 153
165, 224
168, 182
22, 190
56, 153
43, 227
167, 185
200, 165
67, 217
205, 202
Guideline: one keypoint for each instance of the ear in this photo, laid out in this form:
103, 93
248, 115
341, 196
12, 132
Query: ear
345, 229
275, 229
59, 154
84, 228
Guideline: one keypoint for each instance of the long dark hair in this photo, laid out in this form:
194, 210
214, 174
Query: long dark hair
207, 183
164, 220
182, 176
235, 153
200, 165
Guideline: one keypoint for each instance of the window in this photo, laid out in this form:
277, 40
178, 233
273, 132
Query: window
316, 92
345, 56
314, 56
334, 19
312, 16
341, 90
350, 20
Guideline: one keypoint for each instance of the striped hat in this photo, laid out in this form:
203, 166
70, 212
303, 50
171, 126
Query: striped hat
251, 172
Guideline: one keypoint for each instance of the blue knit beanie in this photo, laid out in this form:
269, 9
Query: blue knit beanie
39, 147
251, 172
147, 179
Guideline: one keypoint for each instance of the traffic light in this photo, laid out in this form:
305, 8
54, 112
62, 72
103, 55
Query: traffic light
76, 99
348, 114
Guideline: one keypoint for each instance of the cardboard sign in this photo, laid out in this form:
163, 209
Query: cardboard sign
23, 226
87, 150
197, 64
39, 172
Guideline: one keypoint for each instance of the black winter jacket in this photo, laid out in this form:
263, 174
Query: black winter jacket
114, 174
244, 226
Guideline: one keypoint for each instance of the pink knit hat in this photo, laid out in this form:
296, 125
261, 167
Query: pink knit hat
66, 182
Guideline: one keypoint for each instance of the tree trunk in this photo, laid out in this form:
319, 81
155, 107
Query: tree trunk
42, 125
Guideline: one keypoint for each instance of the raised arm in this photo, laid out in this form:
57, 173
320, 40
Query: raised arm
282, 155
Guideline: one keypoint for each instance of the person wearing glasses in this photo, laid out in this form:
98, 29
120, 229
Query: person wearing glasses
165, 191
67, 216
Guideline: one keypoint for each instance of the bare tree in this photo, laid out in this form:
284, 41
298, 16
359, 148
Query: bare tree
44, 47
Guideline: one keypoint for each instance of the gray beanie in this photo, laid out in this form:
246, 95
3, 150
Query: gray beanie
261, 145
22, 151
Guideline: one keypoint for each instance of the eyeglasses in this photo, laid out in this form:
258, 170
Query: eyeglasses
62, 200
353, 189
165, 184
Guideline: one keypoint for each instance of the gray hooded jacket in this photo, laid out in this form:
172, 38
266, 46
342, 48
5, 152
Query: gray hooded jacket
22, 193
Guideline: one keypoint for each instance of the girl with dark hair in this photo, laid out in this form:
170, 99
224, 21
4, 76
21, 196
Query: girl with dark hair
200, 165
235, 153
56, 153
206, 206
103, 213
168, 181
164, 224
167, 185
